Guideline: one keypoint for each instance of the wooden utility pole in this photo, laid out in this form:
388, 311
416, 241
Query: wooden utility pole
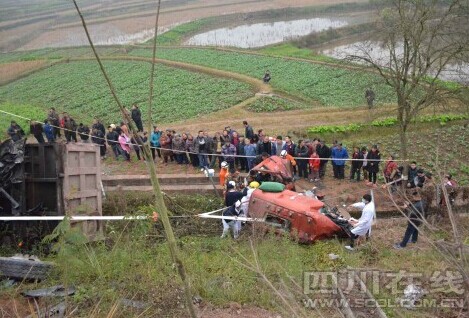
159, 200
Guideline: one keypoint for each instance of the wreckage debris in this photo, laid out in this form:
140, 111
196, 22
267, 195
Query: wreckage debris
55, 291
24, 267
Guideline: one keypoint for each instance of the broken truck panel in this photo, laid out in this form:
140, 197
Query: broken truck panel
54, 179
277, 167
293, 213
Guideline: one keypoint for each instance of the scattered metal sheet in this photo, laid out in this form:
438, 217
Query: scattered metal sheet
54, 291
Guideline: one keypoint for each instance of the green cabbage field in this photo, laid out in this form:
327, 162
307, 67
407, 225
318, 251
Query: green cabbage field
79, 88
331, 86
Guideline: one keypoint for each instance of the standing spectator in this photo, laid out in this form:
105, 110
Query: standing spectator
15, 131
314, 164
365, 163
339, 154
49, 131
98, 125
412, 173
416, 214
70, 128
155, 142
112, 138
357, 164
211, 148
84, 132
248, 131
240, 152
125, 128
166, 145
266, 79
391, 170
324, 154
36, 131
373, 158
97, 137
190, 148
370, 97
290, 147
229, 151
124, 144
137, 117
302, 161
264, 146
202, 150
216, 144
279, 143
250, 152
54, 121
179, 146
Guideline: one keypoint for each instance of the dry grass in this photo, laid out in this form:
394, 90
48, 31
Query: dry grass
14, 70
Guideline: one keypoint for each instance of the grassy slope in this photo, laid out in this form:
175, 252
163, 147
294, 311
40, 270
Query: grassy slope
331, 86
78, 88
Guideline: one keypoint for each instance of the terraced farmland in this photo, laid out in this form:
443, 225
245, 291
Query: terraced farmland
79, 88
331, 86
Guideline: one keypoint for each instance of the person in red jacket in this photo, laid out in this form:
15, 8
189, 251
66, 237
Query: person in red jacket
314, 163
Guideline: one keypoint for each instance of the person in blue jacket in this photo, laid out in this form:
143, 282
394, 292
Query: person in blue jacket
49, 132
155, 142
338, 155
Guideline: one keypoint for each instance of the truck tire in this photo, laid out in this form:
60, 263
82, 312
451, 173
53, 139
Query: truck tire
23, 268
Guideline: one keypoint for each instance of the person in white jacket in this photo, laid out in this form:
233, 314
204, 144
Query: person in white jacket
363, 225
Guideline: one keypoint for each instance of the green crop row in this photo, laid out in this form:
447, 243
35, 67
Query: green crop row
329, 85
79, 89
442, 119
273, 104
334, 128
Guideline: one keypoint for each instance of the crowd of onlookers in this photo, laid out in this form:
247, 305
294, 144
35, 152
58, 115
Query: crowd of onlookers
240, 150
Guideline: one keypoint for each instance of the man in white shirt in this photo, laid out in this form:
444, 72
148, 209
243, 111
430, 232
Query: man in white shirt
363, 225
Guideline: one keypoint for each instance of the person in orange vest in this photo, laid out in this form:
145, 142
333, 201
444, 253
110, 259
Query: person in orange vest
289, 158
224, 173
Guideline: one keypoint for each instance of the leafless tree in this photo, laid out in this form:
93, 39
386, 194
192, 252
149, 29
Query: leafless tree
422, 39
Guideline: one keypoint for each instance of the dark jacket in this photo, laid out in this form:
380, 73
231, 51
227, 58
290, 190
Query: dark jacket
98, 138
416, 212
302, 152
232, 196
36, 129
291, 148
248, 132
323, 153
136, 115
373, 166
357, 164
264, 147
99, 127
201, 145
83, 132
112, 138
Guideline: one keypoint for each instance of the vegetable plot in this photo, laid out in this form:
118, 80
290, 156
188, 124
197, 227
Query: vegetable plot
331, 86
80, 89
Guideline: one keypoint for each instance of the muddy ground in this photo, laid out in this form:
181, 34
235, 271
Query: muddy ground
48, 33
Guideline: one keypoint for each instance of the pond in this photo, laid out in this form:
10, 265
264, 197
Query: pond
262, 34
378, 53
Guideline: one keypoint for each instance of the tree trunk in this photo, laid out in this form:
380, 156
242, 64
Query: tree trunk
403, 123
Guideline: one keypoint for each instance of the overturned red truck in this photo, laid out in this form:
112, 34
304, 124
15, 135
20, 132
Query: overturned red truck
304, 217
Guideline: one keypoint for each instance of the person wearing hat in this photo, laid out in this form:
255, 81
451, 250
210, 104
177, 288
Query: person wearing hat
15, 132
223, 173
362, 227
415, 209
232, 195
233, 210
